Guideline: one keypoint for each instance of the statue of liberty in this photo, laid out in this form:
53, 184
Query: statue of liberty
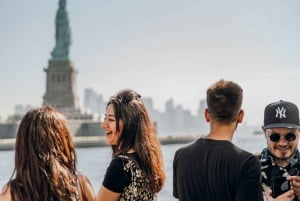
62, 34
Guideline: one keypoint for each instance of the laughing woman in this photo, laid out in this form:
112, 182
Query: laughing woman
136, 171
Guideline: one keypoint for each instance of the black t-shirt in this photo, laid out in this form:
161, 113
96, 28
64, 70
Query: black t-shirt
116, 179
216, 170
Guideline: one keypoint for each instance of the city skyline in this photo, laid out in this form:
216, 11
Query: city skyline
164, 50
173, 120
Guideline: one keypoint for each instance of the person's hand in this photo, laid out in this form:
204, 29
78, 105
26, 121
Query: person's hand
287, 196
295, 184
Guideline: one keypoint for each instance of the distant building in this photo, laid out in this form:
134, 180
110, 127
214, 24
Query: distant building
21, 110
93, 102
176, 120
203, 125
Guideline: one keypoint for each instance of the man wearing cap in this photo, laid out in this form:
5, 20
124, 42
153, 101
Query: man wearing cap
280, 161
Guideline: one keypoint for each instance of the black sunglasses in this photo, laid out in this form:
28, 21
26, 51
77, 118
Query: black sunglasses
275, 137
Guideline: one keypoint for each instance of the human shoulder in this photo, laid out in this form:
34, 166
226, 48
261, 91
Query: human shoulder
250, 162
125, 158
242, 151
129, 161
118, 160
187, 150
5, 193
236, 153
190, 145
117, 164
83, 179
116, 177
86, 189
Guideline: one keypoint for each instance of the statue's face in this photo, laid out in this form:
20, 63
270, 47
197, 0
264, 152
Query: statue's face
62, 3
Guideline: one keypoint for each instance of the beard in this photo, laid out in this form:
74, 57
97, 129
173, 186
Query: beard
284, 153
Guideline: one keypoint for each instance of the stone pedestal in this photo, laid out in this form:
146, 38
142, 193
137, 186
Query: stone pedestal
61, 89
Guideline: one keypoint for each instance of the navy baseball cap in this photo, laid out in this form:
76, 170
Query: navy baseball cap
281, 114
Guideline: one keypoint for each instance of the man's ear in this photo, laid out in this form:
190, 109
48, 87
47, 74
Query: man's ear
207, 115
241, 116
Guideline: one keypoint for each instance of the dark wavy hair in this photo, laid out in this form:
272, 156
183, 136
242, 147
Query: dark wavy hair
139, 133
224, 100
45, 158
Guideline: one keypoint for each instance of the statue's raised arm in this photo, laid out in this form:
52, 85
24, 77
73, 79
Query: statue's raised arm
62, 34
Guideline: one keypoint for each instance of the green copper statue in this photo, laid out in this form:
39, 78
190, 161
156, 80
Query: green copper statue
62, 34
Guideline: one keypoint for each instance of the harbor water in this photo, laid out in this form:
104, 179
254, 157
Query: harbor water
93, 161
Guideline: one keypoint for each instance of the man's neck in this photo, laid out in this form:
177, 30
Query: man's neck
281, 162
221, 131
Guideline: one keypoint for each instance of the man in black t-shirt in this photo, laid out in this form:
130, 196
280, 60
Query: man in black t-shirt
212, 168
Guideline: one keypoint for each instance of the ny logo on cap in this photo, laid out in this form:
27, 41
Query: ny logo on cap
280, 113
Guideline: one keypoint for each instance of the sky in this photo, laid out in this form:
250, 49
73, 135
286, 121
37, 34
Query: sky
165, 50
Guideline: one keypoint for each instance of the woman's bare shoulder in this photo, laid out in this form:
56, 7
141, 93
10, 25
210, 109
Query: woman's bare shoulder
5, 193
87, 191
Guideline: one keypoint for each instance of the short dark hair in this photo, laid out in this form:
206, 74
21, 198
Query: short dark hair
224, 100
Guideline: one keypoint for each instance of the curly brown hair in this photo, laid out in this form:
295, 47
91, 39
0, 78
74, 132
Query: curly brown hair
45, 158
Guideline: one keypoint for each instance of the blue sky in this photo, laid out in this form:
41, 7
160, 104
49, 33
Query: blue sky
163, 49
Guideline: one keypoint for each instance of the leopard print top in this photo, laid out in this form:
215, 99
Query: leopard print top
138, 189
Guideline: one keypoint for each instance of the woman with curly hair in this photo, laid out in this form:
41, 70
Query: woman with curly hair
136, 171
45, 161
